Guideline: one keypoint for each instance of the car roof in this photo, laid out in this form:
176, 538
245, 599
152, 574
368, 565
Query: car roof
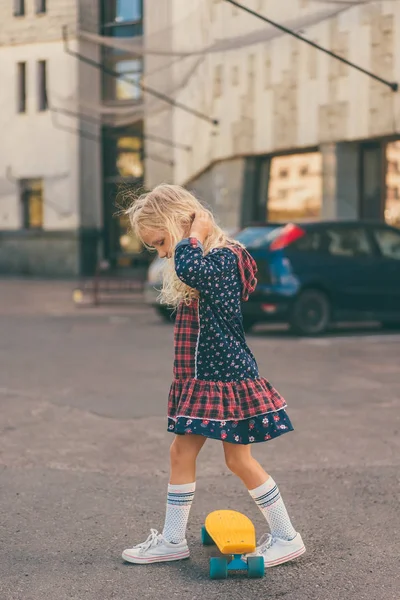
327, 223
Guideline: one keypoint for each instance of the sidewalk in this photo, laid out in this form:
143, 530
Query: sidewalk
56, 297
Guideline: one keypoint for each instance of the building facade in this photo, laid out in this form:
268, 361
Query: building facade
64, 149
300, 135
260, 125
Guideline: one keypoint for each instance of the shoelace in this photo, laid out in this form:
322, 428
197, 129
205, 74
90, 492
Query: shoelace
153, 540
265, 542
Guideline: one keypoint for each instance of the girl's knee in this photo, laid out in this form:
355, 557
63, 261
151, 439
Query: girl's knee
236, 462
180, 454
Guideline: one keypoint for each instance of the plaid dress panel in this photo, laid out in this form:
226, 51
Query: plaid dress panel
223, 401
185, 340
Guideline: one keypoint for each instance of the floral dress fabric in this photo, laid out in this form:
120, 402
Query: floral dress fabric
217, 391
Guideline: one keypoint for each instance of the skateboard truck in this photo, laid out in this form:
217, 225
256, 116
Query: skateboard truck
234, 534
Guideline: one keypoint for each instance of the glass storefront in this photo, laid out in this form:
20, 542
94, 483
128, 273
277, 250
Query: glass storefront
123, 148
295, 187
392, 197
123, 171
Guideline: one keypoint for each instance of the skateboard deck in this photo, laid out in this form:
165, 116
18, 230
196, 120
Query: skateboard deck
231, 531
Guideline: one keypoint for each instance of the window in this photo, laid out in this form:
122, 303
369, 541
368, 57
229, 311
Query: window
130, 157
393, 166
347, 242
304, 170
388, 242
126, 87
392, 200
19, 8
255, 237
392, 193
123, 18
21, 87
295, 188
40, 6
218, 81
32, 203
42, 86
311, 242
123, 11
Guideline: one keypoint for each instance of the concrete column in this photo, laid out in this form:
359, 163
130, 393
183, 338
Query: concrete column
340, 181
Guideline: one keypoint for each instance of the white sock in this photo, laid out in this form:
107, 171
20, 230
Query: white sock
269, 501
179, 501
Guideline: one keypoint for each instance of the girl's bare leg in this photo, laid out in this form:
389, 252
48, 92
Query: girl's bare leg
183, 454
240, 461
264, 492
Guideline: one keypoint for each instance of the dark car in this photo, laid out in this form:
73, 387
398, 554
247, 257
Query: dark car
310, 275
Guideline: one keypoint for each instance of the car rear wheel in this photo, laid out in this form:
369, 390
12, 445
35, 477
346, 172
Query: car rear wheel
310, 313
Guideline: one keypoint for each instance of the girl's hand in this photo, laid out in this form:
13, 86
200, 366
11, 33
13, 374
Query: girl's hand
202, 226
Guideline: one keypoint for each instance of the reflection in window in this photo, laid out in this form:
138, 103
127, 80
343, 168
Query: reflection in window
388, 242
126, 87
123, 18
295, 187
392, 201
122, 11
130, 157
128, 241
347, 242
127, 90
32, 203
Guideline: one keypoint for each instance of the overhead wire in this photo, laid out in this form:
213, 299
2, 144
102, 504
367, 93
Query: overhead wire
393, 85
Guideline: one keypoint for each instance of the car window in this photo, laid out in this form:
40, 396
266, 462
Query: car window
347, 242
254, 237
388, 242
311, 242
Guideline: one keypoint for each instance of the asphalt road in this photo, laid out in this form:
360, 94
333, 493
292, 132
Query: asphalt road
84, 458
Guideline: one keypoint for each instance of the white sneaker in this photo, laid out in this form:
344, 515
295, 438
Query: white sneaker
276, 551
156, 549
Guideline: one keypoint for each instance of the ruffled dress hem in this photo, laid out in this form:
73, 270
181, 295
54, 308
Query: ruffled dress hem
223, 400
260, 428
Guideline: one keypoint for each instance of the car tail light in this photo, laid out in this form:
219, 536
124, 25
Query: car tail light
289, 234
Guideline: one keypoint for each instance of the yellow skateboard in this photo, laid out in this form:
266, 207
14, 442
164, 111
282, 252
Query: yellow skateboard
234, 535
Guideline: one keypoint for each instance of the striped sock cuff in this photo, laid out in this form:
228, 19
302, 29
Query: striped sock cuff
181, 495
266, 494
269, 498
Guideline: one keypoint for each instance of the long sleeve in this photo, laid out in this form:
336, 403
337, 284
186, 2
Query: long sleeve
205, 273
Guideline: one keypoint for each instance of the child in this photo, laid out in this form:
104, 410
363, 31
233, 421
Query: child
217, 391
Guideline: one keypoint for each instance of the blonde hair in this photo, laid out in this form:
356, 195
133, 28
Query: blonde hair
172, 208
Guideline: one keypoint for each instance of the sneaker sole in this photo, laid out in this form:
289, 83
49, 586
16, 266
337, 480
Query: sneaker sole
287, 558
154, 559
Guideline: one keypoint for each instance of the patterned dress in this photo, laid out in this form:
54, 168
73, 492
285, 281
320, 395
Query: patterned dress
217, 391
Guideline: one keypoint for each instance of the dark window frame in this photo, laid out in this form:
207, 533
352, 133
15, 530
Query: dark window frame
40, 7
21, 87
42, 85
19, 8
27, 193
